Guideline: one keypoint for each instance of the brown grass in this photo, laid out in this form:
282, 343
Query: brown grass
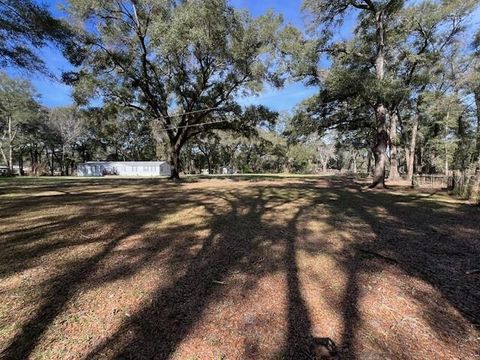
235, 269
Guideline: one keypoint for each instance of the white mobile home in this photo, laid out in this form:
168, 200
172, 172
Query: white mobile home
124, 168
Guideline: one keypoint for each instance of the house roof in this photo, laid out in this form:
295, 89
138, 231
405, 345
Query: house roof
128, 163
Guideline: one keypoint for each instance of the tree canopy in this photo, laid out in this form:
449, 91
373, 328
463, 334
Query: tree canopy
180, 64
26, 26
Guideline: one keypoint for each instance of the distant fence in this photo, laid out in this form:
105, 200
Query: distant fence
460, 183
433, 181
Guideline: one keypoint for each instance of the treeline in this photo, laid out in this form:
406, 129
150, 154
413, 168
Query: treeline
43, 141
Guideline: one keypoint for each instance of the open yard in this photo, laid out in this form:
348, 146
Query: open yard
259, 268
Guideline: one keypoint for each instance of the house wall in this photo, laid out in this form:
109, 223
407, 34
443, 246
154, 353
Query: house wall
92, 169
124, 169
138, 170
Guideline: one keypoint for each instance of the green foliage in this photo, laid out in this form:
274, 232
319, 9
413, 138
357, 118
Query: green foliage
327, 16
18, 112
18, 109
422, 45
115, 133
182, 64
160, 57
16, 99
26, 26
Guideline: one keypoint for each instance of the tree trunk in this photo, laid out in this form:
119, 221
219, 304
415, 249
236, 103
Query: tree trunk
10, 147
20, 164
394, 175
175, 162
411, 152
35, 161
354, 161
446, 143
4, 156
419, 159
381, 143
63, 166
406, 151
474, 195
477, 147
446, 159
369, 162
71, 162
32, 163
209, 164
324, 167
52, 164
475, 191
380, 148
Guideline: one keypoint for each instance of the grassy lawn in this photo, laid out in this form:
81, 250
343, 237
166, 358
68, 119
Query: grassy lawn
235, 268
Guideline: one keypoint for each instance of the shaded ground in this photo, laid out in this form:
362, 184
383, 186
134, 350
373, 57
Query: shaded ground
235, 269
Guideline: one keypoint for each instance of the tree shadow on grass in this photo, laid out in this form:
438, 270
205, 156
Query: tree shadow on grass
234, 244
19, 254
237, 243
426, 239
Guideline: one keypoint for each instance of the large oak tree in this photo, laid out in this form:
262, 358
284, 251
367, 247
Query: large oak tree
181, 63
386, 64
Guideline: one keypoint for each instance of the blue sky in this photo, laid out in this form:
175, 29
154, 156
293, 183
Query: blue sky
277, 99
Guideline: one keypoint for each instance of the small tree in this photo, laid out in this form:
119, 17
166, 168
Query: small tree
17, 107
323, 151
67, 123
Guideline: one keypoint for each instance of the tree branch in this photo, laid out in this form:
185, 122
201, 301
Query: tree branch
367, 5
